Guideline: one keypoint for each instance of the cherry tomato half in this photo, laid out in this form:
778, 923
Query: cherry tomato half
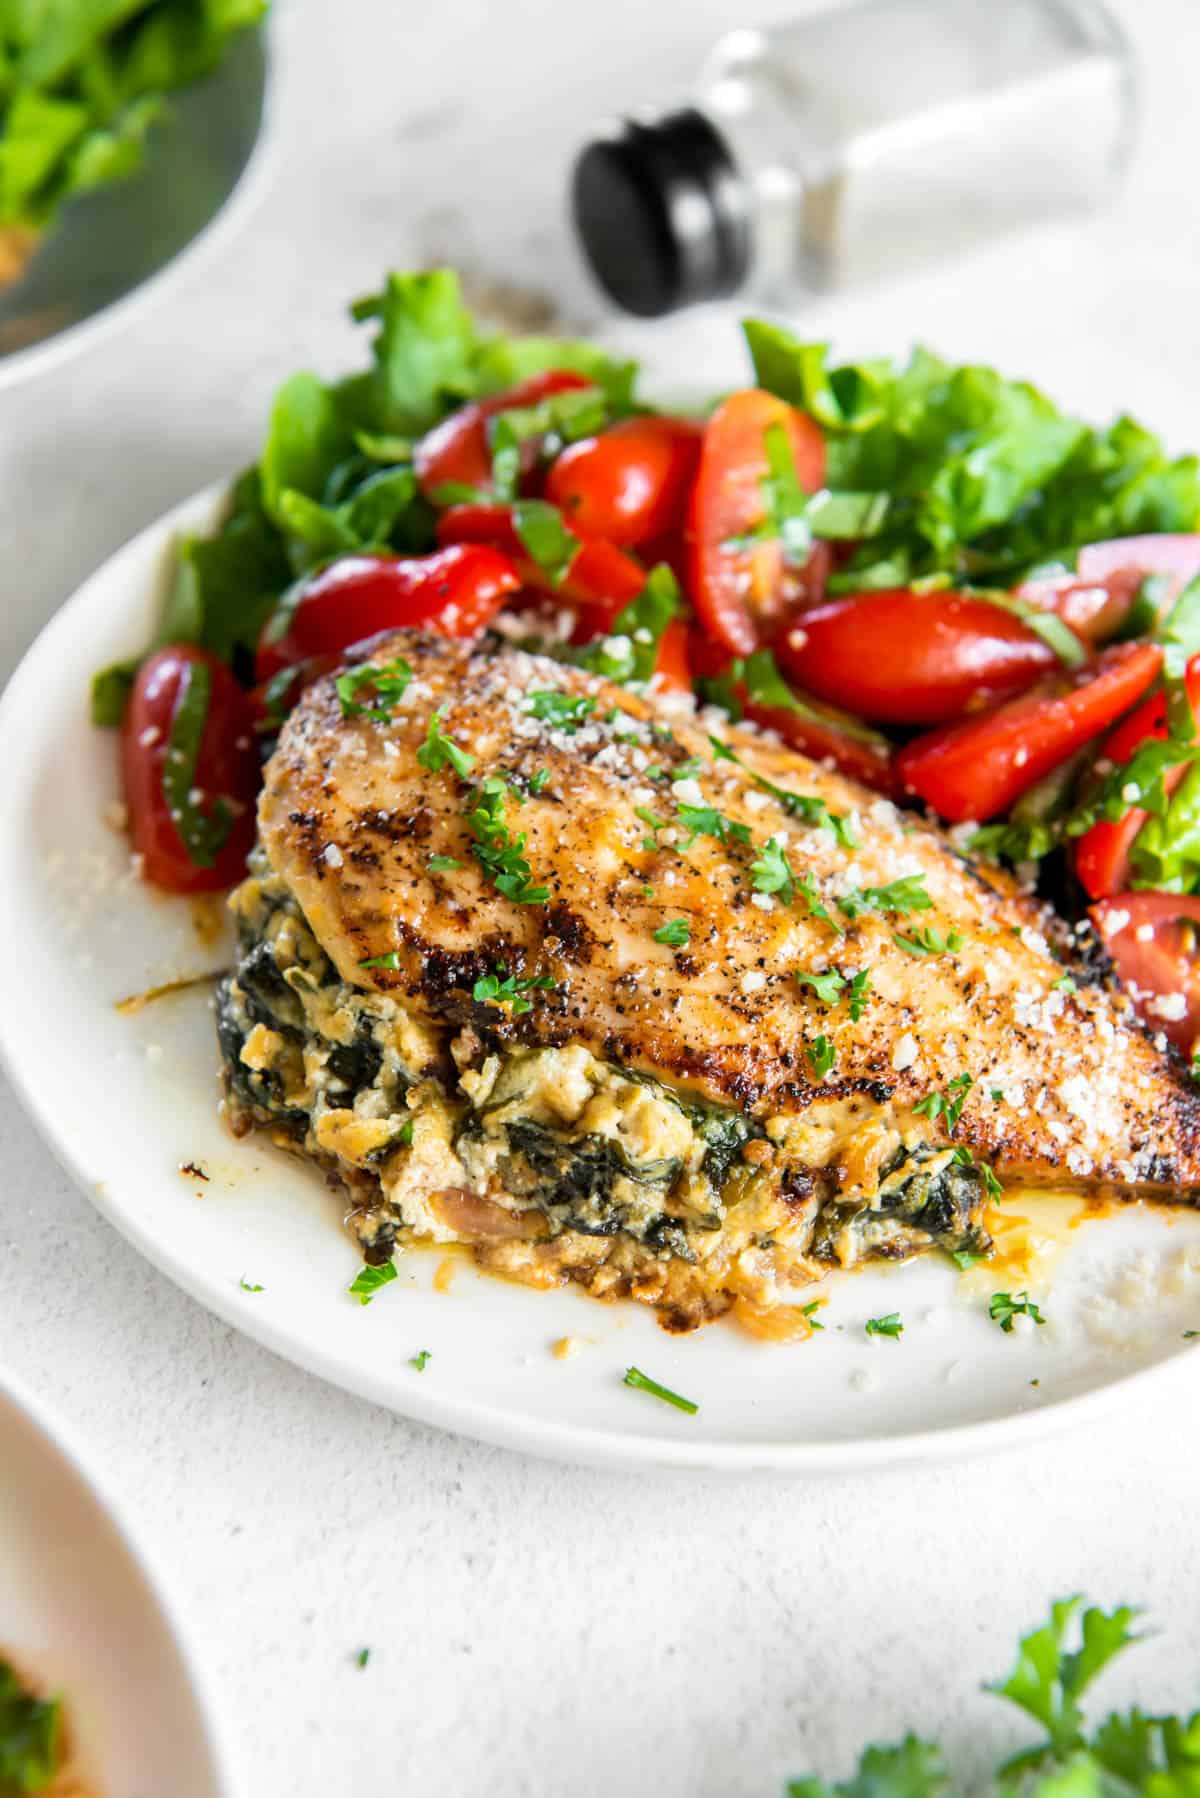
743, 594
600, 581
1102, 854
1154, 942
458, 449
899, 657
629, 483
190, 771
455, 593
976, 769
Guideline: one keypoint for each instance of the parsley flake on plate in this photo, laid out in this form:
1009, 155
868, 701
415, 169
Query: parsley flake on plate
1004, 1306
420, 1360
635, 1377
885, 1326
370, 1280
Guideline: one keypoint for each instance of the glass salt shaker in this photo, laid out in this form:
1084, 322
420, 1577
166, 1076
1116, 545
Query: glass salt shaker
856, 142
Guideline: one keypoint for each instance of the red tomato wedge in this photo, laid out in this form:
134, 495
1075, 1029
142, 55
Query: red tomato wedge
817, 731
899, 657
1095, 599
601, 580
743, 595
190, 771
672, 670
629, 483
1102, 853
458, 449
1154, 942
455, 593
978, 768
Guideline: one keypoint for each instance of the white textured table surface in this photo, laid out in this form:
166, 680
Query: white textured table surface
538, 1629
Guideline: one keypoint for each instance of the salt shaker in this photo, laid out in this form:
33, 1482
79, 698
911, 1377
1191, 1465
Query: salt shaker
856, 142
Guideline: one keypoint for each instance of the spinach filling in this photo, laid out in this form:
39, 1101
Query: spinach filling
928, 1199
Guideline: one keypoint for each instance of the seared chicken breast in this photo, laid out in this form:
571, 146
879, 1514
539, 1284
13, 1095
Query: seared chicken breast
532, 963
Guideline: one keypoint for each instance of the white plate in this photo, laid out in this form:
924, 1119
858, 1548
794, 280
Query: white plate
124, 1101
80, 1614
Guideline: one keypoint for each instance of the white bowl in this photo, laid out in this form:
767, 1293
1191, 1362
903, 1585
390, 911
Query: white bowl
81, 1614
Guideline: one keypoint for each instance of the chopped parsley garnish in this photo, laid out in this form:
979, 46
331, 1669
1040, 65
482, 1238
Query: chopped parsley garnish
655, 824
202, 833
441, 864
822, 1055
704, 821
828, 987
929, 941
391, 961
807, 888
389, 683
859, 988
370, 1280
501, 988
404, 1134
439, 751
500, 855
809, 1311
635, 1377
1066, 983
420, 1360
31, 1737
991, 1184
559, 419
362, 1657
898, 898
947, 1105
247, 1286
964, 1260
630, 651
539, 781
1004, 1306
545, 537
885, 1326
771, 872
567, 710
674, 934
807, 807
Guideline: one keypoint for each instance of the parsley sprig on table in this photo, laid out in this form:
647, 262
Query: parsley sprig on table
1129, 1754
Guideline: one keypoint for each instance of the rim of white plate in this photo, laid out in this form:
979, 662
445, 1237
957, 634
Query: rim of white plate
22, 723
50, 1426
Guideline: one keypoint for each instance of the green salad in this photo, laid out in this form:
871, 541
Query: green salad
81, 84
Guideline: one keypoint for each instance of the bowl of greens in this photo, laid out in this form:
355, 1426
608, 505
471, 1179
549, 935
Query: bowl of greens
126, 127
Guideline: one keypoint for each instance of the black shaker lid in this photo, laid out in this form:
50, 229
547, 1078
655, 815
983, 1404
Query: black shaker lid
662, 213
